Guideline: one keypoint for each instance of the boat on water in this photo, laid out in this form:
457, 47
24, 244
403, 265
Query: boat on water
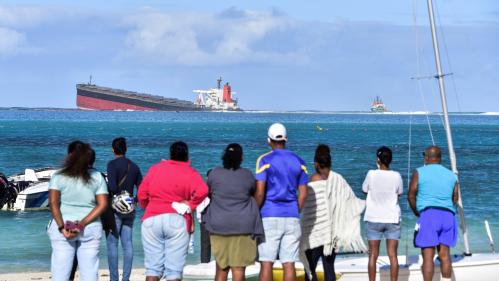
378, 105
92, 97
465, 267
217, 99
26, 191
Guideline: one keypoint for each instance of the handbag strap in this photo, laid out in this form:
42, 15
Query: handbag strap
122, 181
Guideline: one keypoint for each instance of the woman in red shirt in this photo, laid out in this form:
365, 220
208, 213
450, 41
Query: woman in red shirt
165, 232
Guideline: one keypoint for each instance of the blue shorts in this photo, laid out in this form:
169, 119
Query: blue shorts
435, 227
376, 231
282, 238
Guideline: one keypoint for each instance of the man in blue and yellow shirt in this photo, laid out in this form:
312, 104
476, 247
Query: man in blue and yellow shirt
281, 191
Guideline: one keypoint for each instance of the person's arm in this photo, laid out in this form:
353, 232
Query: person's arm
365, 184
101, 202
302, 196
100, 207
260, 192
455, 194
112, 179
413, 191
199, 191
143, 192
302, 185
138, 181
55, 207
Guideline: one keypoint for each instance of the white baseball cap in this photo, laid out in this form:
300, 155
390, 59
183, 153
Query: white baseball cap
277, 132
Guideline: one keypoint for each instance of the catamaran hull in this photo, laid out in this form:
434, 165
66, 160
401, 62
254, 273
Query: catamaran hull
483, 267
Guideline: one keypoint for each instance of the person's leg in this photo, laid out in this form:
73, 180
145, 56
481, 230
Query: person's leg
445, 261
112, 240
266, 271
222, 273
374, 233
126, 236
313, 256
269, 248
176, 245
73, 270
153, 243
238, 273
373, 258
289, 248
391, 248
289, 271
328, 265
428, 266
88, 252
63, 252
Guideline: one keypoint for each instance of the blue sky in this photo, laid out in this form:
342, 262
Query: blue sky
278, 55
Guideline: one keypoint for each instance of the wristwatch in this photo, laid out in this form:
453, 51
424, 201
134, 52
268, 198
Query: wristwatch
60, 228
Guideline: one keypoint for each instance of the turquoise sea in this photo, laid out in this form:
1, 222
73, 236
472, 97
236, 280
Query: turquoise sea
38, 138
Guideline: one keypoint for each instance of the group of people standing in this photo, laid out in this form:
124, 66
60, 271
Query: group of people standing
278, 213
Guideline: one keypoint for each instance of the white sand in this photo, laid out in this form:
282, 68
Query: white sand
137, 275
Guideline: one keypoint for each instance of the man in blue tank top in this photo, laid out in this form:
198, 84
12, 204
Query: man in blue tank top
281, 191
433, 192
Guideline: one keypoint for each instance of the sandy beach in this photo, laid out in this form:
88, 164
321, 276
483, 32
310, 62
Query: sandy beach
137, 274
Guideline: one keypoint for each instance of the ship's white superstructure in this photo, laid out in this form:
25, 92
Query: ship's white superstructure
218, 98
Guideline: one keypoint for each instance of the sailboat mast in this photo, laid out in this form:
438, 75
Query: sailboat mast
452, 154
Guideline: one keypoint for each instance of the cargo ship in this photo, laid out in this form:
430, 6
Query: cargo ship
217, 99
92, 97
378, 105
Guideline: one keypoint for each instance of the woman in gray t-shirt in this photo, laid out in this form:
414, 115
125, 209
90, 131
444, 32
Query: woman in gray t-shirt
233, 217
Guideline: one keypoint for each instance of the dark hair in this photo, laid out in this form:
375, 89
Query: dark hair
92, 158
119, 146
179, 151
323, 156
233, 156
384, 155
78, 161
72, 145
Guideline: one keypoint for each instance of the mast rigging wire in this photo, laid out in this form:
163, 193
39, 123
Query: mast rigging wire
418, 64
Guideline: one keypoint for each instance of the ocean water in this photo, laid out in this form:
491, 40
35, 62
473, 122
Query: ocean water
34, 138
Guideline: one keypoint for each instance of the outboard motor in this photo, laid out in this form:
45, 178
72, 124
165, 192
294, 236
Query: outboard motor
8, 192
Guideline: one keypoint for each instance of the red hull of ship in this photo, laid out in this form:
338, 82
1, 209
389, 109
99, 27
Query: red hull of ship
97, 104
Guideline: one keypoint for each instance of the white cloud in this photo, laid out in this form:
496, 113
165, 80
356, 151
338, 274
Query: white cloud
21, 16
10, 41
194, 38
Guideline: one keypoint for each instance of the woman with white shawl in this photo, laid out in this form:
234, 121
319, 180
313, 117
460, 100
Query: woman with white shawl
330, 218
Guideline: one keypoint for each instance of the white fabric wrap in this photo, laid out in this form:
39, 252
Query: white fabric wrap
331, 218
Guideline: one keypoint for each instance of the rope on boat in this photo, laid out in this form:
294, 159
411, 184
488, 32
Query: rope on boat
418, 67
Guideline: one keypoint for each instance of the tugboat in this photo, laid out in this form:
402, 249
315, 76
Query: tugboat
217, 99
378, 105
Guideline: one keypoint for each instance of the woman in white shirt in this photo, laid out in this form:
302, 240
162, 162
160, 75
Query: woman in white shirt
383, 188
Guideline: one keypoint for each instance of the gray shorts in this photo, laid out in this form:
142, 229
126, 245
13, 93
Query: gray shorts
282, 239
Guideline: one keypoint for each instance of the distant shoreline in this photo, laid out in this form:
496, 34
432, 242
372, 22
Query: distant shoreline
49, 109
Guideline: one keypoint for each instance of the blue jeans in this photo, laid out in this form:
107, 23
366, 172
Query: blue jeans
376, 230
86, 247
165, 241
124, 225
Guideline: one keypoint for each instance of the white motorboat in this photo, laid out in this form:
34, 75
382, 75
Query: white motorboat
28, 191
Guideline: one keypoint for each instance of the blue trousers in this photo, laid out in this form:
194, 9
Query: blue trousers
124, 225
